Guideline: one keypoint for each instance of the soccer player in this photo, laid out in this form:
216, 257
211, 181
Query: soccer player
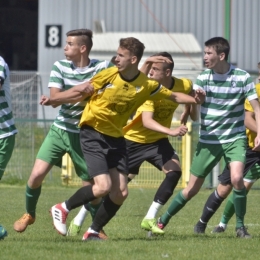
222, 130
147, 138
7, 126
224, 188
118, 93
63, 136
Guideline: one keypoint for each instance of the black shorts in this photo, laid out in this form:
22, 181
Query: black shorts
103, 152
252, 157
157, 153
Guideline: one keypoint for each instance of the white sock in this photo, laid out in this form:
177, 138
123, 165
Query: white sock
79, 219
222, 225
153, 210
63, 204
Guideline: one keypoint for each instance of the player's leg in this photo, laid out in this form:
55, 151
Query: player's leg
164, 158
205, 158
235, 155
50, 153
214, 201
6, 150
81, 169
229, 210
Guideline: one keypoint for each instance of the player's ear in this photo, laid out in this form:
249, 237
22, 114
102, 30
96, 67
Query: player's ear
168, 72
83, 48
222, 56
134, 59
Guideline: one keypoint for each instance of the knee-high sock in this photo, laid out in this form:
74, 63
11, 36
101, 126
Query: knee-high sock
106, 211
31, 199
212, 204
177, 204
80, 197
239, 197
167, 187
94, 208
229, 210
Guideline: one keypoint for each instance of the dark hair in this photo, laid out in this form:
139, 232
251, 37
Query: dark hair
132, 44
220, 45
84, 37
166, 65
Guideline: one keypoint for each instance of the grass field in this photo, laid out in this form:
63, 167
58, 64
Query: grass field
126, 239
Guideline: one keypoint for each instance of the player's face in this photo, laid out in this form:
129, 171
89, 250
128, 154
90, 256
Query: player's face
211, 58
157, 72
259, 76
123, 59
72, 48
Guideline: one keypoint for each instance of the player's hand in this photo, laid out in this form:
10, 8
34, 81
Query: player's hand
86, 88
45, 101
179, 131
157, 59
257, 145
200, 96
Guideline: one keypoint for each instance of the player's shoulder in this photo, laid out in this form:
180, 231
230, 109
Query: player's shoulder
100, 63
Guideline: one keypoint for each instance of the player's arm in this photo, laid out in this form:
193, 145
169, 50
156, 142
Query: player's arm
150, 123
256, 106
182, 98
191, 110
250, 122
72, 95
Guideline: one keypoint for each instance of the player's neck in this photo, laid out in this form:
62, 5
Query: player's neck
130, 73
82, 62
222, 68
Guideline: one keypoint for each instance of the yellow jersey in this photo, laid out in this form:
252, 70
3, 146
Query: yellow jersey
250, 134
162, 113
115, 99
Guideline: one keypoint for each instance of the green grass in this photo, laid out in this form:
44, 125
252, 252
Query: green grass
126, 239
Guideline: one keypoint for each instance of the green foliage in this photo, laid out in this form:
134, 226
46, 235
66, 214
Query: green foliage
126, 239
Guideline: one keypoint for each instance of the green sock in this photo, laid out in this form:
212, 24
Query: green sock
31, 199
239, 198
229, 210
177, 204
94, 208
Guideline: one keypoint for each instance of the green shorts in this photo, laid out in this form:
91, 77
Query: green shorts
253, 174
57, 143
207, 156
6, 150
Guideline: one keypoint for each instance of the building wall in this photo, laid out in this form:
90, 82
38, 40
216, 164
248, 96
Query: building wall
203, 18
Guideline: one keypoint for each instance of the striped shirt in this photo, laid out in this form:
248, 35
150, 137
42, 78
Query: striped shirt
222, 113
7, 126
65, 75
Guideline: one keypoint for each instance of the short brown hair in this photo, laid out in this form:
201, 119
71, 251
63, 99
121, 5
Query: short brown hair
85, 37
220, 45
132, 44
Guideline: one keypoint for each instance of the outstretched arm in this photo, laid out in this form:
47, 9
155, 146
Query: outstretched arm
72, 95
182, 98
150, 123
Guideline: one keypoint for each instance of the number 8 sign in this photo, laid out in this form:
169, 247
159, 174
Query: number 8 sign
53, 36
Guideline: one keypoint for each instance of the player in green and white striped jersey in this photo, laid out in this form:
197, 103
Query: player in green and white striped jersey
222, 129
7, 126
63, 136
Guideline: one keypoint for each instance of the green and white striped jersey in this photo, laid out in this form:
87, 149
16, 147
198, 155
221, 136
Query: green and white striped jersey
65, 75
222, 113
7, 126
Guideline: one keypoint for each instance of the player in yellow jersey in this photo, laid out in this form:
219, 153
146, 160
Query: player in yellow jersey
147, 135
118, 92
251, 174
